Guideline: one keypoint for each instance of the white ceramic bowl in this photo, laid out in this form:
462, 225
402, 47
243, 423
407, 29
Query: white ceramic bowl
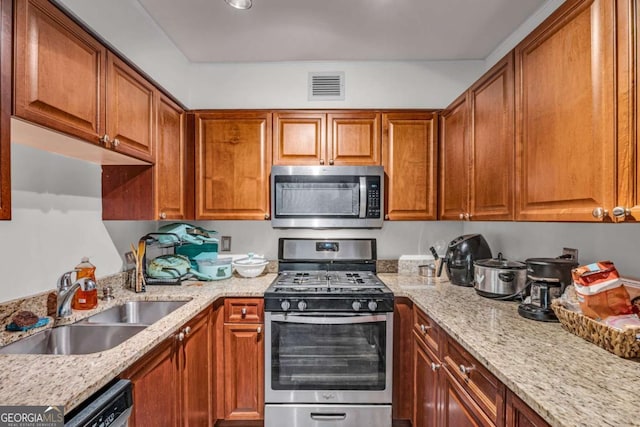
250, 267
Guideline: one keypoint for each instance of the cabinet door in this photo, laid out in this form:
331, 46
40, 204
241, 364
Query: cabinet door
426, 373
131, 110
233, 158
173, 173
243, 371
628, 120
565, 114
196, 365
409, 160
299, 138
491, 144
59, 72
454, 163
458, 408
5, 108
156, 390
353, 138
520, 415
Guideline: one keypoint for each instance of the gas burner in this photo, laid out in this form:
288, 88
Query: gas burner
318, 277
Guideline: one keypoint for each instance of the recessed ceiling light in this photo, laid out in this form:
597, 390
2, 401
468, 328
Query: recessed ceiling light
240, 4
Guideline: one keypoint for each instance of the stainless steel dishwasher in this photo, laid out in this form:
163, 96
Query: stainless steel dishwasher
110, 407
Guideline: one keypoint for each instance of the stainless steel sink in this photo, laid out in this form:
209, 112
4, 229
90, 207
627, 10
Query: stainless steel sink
74, 339
136, 312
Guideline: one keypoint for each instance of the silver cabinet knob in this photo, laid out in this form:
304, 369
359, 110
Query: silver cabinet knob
599, 212
330, 161
435, 366
424, 328
187, 330
386, 217
105, 139
267, 216
322, 161
115, 142
621, 212
163, 215
466, 370
259, 330
180, 336
461, 216
467, 216
243, 311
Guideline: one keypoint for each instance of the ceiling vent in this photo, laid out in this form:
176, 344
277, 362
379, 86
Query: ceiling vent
327, 86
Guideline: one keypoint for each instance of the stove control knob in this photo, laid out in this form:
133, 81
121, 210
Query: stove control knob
284, 305
356, 306
372, 305
302, 305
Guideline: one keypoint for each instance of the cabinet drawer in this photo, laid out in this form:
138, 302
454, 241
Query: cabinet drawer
485, 389
243, 310
427, 330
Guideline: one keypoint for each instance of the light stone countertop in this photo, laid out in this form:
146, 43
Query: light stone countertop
567, 380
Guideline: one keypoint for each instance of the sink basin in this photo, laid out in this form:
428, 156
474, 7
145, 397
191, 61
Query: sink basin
73, 339
135, 312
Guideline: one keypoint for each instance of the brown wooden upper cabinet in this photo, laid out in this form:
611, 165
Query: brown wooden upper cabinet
409, 157
628, 42
326, 138
477, 149
173, 171
233, 161
566, 115
5, 107
67, 81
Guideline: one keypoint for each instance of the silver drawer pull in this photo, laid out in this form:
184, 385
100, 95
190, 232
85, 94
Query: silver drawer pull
320, 416
243, 311
424, 328
465, 370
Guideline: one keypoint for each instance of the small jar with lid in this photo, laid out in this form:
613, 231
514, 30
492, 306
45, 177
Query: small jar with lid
85, 298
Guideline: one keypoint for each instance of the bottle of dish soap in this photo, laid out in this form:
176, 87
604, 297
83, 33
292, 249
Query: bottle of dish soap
85, 298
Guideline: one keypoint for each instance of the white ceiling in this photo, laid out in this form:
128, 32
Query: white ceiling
336, 30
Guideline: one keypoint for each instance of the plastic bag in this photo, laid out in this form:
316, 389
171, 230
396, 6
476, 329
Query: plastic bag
600, 291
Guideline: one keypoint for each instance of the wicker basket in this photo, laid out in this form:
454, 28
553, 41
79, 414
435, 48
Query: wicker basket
624, 344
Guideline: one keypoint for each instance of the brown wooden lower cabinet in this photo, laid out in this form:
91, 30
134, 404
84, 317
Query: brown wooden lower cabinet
243, 359
172, 384
451, 388
520, 415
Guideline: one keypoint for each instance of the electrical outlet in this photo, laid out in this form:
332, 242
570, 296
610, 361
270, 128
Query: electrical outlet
225, 244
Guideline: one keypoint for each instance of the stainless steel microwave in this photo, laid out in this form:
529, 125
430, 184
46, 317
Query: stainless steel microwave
327, 196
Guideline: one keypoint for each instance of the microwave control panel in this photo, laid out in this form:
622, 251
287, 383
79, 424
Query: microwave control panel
373, 197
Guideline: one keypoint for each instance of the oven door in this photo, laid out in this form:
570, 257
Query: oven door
328, 358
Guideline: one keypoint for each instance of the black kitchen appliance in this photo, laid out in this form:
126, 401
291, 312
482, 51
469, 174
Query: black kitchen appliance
548, 278
328, 336
461, 253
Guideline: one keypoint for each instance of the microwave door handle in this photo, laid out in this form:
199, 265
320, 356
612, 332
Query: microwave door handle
363, 197
339, 320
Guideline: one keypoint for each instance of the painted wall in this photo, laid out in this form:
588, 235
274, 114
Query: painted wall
57, 219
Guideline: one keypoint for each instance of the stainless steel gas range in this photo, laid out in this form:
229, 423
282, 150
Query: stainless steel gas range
328, 336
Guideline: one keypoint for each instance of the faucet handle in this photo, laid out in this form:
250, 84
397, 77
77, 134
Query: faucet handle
64, 282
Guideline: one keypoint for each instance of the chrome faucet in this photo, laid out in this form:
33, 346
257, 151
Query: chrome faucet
66, 290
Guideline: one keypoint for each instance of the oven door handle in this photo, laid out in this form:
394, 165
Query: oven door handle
338, 320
